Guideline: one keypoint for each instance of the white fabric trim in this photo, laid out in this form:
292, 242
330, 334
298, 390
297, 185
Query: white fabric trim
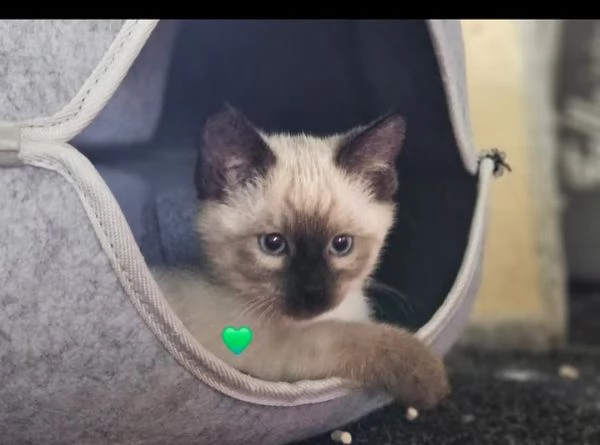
123, 252
129, 265
108, 75
440, 331
451, 60
10, 144
97, 90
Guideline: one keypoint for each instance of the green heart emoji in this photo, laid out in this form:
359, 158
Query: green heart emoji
237, 340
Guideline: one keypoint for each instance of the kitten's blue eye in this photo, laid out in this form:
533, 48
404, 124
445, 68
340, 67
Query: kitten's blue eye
341, 245
272, 243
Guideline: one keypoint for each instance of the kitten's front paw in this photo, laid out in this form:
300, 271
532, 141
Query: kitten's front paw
403, 366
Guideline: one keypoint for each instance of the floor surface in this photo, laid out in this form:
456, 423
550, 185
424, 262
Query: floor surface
499, 398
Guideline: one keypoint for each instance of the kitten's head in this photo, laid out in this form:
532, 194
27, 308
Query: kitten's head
295, 224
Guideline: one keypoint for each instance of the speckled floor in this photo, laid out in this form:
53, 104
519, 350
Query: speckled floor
499, 398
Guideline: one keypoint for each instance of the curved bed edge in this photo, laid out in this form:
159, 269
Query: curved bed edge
448, 45
118, 242
129, 265
442, 330
74, 343
446, 36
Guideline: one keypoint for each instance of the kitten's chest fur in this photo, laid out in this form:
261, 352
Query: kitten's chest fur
205, 309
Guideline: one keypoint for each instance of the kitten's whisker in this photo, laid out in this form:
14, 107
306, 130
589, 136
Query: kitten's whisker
397, 298
256, 307
265, 312
250, 307
273, 313
268, 311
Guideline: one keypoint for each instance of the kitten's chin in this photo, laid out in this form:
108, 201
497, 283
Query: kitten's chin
302, 315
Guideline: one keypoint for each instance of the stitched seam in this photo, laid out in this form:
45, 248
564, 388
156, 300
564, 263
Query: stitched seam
148, 312
182, 354
117, 51
43, 162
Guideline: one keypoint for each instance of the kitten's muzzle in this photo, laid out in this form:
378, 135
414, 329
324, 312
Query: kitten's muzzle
306, 303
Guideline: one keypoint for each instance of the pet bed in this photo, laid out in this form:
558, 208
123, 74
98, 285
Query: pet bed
100, 120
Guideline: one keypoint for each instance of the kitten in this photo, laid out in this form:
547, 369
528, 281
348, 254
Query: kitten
291, 228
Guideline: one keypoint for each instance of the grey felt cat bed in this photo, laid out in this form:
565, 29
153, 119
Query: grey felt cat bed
97, 151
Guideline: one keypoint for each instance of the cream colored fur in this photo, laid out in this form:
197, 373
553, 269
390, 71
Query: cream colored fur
340, 342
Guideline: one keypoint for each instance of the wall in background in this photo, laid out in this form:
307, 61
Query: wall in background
522, 298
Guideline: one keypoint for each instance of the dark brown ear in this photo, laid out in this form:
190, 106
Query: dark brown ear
371, 154
231, 153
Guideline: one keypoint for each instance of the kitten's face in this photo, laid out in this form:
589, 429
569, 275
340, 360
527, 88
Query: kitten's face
295, 224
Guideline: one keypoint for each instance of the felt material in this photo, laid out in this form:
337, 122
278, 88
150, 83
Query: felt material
132, 114
155, 190
78, 365
70, 335
43, 63
176, 222
498, 399
134, 194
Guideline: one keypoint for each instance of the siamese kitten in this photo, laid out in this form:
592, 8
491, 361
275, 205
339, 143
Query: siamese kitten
291, 228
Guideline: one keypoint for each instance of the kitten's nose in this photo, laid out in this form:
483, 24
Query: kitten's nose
308, 281
313, 288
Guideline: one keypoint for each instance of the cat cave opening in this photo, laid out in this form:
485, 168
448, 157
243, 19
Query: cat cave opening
318, 77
